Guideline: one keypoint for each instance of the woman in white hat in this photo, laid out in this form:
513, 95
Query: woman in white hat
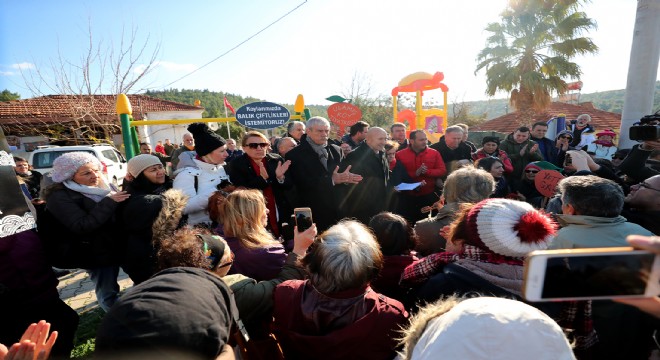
149, 189
83, 233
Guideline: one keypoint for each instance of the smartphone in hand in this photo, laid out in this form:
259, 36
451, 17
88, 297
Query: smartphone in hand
303, 218
591, 274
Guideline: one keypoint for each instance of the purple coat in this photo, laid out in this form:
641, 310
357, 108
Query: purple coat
24, 269
260, 263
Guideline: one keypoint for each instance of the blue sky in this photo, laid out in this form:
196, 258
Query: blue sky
314, 51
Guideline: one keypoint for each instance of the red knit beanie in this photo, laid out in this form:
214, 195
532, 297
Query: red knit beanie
508, 227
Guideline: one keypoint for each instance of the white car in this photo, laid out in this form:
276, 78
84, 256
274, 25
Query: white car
114, 163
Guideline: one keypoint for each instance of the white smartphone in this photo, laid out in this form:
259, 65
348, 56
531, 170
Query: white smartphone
591, 274
303, 218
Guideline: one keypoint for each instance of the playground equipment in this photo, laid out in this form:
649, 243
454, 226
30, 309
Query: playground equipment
432, 121
130, 136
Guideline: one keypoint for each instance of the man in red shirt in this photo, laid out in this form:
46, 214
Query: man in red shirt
422, 164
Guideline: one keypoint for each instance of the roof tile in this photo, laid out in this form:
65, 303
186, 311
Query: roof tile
508, 123
66, 108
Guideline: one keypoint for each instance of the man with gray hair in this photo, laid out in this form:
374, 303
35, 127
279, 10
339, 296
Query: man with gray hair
591, 219
315, 172
591, 208
188, 145
453, 150
295, 129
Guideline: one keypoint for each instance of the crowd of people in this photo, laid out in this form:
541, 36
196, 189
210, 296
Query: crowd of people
220, 269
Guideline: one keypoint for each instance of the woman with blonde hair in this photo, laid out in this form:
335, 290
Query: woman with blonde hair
259, 169
244, 219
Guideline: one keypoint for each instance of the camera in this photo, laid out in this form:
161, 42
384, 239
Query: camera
647, 129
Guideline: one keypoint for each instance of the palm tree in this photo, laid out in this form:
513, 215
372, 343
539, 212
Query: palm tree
528, 52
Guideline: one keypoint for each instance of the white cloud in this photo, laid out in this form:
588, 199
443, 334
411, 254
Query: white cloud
6, 73
22, 66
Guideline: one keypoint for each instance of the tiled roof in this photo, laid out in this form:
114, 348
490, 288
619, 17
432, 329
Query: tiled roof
510, 122
65, 108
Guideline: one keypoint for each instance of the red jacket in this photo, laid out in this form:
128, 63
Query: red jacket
353, 324
508, 166
412, 161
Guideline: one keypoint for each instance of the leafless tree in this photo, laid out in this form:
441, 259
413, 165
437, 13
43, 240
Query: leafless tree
376, 108
103, 68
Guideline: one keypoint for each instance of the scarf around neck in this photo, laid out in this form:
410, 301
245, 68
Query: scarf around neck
422, 270
96, 193
321, 150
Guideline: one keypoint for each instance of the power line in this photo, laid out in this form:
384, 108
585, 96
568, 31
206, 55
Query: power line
235, 47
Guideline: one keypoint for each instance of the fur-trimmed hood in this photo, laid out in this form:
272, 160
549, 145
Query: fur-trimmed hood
169, 218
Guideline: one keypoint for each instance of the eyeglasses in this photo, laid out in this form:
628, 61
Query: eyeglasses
257, 145
531, 171
565, 137
228, 263
647, 186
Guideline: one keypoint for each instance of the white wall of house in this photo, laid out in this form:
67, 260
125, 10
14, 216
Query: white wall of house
155, 133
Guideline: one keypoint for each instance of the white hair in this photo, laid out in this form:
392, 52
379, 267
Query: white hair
317, 120
346, 256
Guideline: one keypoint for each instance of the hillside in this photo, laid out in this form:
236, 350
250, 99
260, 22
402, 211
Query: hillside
611, 100
213, 102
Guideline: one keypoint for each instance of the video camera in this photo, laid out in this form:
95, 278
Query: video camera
648, 128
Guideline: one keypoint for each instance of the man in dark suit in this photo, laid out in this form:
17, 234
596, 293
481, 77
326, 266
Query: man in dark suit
366, 199
315, 172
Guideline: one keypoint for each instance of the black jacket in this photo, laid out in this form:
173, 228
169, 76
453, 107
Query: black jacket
367, 198
137, 215
462, 152
241, 173
314, 182
80, 232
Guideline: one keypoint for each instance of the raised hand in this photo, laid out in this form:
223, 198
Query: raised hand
282, 169
303, 240
421, 170
522, 151
345, 177
534, 148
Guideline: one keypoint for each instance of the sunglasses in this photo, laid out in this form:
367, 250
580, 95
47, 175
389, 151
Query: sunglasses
257, 145
531, 171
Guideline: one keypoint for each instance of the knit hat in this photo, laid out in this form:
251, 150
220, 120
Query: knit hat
565, 132
137, 164
542, 165
205, 139
514, 330
65, 166
178, 309
213, 248
487, 139
508, 227
606, 132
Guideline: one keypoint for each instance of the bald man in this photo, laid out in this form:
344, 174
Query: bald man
367, 198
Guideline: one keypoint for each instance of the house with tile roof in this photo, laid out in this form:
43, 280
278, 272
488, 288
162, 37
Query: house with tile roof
510, 122
80, 118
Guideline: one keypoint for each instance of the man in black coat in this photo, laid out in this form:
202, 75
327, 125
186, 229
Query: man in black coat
315, 172
453, 150
366, 199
